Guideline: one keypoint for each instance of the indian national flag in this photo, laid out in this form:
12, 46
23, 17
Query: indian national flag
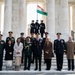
40, 10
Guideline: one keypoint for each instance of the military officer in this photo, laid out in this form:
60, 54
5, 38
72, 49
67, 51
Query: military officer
37, 26
42, 28
32, 27
32, 38
37, 52
28, 53
10, 38
22, 38
59, 47
2, 46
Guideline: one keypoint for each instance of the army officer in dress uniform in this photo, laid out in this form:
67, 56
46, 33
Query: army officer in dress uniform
2, 46
10, 37
22, 38
59, 47
37, 52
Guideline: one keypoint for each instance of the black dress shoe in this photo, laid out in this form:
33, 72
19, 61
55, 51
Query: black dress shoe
39, 69
35, 69
72, 69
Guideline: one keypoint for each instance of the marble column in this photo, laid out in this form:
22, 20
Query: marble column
73, 18
50, 23
15, 17
7, 17
61, 18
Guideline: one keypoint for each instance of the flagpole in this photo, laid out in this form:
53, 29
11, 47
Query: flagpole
37, 13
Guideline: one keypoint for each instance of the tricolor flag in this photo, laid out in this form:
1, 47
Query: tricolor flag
40, 10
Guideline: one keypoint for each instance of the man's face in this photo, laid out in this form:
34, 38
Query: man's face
10, 34
58, 36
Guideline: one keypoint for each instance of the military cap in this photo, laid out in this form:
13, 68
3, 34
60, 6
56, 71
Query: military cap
58, 34
46, 33
22, 33
10, 32
32, 20
41, 20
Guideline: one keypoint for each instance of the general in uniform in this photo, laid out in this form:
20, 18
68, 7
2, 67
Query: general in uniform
22, 38
10, 38
59, 47
38, 52
28, 52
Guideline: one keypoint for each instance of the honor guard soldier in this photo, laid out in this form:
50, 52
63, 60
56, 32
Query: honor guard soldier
59, 47
10, 38
38, 52
37, 26
2, 46
32, 27
22, 39
32, 39
42, 28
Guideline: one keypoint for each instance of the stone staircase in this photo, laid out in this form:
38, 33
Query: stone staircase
42, 72
53, 67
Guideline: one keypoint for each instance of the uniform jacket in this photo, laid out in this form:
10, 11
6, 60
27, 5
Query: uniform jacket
42, 27
9, 52
10, 38
70, 49
48, 50
38, 47
18, 49
2, 46
28, 50
59, 46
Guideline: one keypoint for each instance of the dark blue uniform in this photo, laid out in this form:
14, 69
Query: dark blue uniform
59, 47
42, 29
32, 28
32, 39
38, 53
10, 38
37, 26
2, 46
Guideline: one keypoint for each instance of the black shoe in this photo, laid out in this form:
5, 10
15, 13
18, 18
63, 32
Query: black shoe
72, 69
39, 69
35, 69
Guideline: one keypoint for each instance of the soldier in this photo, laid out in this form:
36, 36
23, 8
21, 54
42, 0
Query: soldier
42, 28
32, 47
2, 46
10, 38
70, 49
59, 47
37, 51
37, 26
22, 41
28, 53
32, 27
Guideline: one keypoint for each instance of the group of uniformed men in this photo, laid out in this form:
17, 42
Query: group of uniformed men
33, 50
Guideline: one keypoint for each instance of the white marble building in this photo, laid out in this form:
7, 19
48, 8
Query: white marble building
61, 17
